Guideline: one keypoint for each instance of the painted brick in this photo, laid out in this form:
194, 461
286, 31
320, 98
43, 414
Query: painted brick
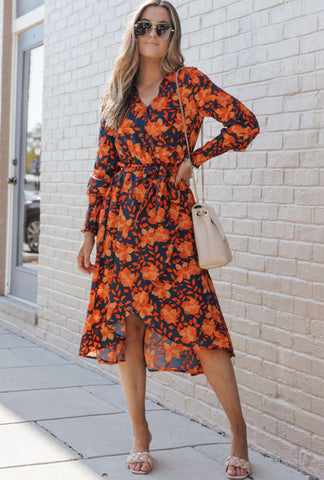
298, 250
308, 234
261, 314
278, 230
283, 302
295, 213
318, 253
268, 54
287, 121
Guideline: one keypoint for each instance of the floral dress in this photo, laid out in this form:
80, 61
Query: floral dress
146, 260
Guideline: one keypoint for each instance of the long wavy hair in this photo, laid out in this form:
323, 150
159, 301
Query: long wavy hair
115, 101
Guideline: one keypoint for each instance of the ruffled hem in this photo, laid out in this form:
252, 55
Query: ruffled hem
160, 353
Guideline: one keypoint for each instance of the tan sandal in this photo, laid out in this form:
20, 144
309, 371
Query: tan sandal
238, 462
139, 457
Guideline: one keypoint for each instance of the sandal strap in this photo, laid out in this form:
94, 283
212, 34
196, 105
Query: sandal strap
238, 462
139, 457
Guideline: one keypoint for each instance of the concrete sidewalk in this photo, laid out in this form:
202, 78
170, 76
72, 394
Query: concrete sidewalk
59, 420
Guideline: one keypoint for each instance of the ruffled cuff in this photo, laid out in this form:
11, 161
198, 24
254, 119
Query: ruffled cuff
221, 144
96, 190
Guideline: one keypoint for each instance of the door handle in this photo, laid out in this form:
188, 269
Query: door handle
12, 180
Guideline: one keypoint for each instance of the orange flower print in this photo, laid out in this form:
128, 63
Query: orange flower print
186, 249
150, 273
124, 253
156, 217
185, 223
161, 103
147, 237
168, 314
162, 153
190, 269
191, 307
127, 278
208, 329
139, 193
146, 259
107, 333
162, 234
157, 128
128, 126
140, 298
203, 96
146, 310
124, 225
162, 290
188, 334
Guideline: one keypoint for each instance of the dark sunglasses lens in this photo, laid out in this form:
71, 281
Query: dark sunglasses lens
142, 28
162, 29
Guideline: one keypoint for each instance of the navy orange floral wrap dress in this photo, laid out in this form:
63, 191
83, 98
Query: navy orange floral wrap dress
146, 260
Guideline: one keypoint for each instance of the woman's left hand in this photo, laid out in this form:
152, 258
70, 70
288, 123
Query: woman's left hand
184, 172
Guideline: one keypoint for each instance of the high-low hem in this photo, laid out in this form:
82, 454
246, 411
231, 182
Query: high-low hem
146, 253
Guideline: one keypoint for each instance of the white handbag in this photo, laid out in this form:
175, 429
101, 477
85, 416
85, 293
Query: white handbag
212, 245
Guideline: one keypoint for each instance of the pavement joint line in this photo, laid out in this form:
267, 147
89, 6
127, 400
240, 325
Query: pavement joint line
125, 409
82, 416
32, 365
190, 446
152, 450
50, 388
218, 460
18, 347
53, 419
41, 463
108, 455
58, 439
94, 457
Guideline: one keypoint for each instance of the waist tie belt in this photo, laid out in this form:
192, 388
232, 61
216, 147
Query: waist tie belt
170, 192
172, 169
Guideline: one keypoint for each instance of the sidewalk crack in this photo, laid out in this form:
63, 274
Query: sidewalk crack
59, 439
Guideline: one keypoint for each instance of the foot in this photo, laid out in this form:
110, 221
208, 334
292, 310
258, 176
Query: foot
239, 449
240, 465
141, 444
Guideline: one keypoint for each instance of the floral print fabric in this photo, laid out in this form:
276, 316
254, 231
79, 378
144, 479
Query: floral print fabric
146, 259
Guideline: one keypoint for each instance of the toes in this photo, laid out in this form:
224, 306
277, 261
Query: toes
145, 467
231, 470
236, 471
138, 466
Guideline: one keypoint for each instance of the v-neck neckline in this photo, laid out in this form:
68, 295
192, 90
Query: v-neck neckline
154, 99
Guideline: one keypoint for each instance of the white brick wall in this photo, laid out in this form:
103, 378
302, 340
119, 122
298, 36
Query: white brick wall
268, 54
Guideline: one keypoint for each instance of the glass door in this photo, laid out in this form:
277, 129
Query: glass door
27, 165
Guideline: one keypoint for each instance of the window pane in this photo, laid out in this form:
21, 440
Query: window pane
33, 157
25, 6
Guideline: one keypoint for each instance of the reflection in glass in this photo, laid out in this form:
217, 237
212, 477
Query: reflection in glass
25, 6
33, 157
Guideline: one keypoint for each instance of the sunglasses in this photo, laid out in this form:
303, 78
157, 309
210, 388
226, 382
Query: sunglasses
143, 28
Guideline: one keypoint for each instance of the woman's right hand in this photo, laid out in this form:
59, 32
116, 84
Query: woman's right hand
83, 258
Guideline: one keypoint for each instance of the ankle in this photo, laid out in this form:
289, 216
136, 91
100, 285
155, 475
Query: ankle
140, 429
239, 428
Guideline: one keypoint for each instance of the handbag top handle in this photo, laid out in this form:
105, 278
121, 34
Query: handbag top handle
188, 149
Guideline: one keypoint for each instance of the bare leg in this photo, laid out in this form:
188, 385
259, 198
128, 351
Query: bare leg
132, 375
218, 368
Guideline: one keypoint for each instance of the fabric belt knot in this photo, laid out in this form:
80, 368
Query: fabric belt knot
163, 187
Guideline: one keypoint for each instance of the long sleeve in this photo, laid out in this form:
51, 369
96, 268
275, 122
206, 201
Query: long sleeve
241, 125
104, 169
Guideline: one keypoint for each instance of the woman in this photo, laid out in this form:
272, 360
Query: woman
151, 306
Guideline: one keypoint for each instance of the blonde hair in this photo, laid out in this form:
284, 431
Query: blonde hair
115, 101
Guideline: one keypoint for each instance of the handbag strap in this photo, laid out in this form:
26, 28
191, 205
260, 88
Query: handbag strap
202, 166
185, 132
